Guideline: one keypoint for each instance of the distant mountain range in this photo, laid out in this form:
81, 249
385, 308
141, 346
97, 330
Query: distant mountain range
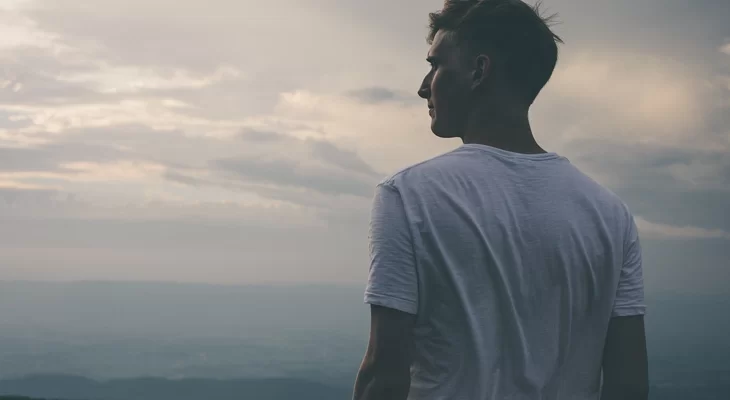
79, 388
20, 398
298, 342
49, 387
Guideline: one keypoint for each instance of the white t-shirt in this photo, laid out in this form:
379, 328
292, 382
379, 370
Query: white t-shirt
513, 263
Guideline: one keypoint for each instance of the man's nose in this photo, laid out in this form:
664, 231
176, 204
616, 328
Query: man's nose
424, 92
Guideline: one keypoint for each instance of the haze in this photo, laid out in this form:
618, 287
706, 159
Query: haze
239, 142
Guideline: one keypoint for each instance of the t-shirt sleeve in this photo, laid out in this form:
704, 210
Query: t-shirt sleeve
630, 293
392, 281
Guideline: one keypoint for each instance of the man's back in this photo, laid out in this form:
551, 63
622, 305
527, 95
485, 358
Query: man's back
517, 263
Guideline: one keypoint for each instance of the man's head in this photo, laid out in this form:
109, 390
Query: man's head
488, 57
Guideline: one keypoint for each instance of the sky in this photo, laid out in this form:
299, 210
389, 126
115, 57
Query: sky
238, 142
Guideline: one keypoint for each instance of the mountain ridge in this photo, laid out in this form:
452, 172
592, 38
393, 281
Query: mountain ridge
151, 388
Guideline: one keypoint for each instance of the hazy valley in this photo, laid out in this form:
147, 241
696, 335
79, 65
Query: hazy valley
162, 341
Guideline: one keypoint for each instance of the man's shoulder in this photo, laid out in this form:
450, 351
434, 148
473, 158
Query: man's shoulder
602, 197
416, 173
598, 189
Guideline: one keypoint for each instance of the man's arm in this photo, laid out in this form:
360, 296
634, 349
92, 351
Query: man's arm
625, 365
393, 295
385, 371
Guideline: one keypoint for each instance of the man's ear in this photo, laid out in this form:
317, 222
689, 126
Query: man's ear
482, 68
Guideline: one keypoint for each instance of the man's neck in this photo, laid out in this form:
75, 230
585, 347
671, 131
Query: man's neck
511, 133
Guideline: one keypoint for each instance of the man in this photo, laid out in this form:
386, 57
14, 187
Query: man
498, 270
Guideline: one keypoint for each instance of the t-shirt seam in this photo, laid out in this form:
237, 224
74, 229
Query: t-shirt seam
538, 157
629, 310
391, 179
642, 305
391, 297
627, 228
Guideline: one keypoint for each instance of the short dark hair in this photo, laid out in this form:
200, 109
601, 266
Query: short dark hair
514, 30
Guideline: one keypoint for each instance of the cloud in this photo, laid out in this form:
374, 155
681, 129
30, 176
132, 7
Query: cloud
325, 205
650, 166
293, 174
55, 205
115, 171
31, 77
184, 179
51, 157
254, 135
632, 92
113, 30
21, 159
388, 136
375, 95
664, 231
19, 31
220, 128
54, 235
115, 79
345, 159
142, 156
160, 114
19, 202
726, 48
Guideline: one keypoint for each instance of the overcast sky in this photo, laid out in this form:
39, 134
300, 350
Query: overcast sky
237, 141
